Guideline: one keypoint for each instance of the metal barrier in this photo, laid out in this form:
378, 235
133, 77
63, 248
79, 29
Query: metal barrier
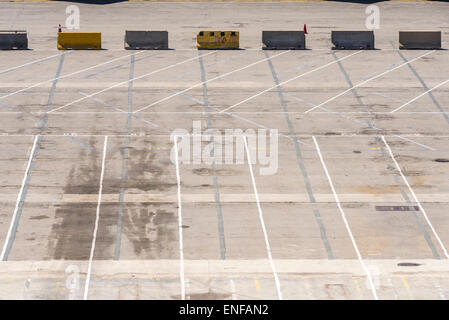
353, 39
217, 40
283, 40
150, 40
79, 40
14, 39
418, 39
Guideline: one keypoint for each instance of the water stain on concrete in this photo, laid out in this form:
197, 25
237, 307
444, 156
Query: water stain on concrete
376, 190
39, 217
209, 295
152, 231
151, 228
209, 172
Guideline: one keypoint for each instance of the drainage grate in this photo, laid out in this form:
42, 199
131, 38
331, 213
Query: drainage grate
397, 208
441, 160
408, 264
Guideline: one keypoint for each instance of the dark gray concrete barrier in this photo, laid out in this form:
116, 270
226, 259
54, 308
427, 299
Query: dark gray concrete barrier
417, 39
283, 40
353, 39
13, 40
151, 40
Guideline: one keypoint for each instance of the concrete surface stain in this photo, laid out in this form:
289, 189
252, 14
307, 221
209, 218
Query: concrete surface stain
208, 172
39, 217
143, 173
210, 295
149, 228
376, 190
152, 231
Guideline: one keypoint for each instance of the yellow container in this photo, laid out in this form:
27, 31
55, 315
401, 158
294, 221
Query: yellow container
79, 40
217, 40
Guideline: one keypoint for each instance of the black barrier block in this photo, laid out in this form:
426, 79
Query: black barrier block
150, 40
283, 40
10, 40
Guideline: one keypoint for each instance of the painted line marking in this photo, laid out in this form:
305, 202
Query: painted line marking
221, 61
368, 121
419, 96
292, 132
414, 142
14, 220
218, 210
370, 79
439, 289
307, 285
118, 237
65, 76
337, 200
301, 66
124, 82
120, 111
217, 112
356, 282
29, 115
287, 81
393, 288
357, 287
345, 135
119, 66
267, 243
30, 63
424, 85
341, 114
97, 217
23, 191
385, 68
396, 100
196, 49
256, 283
233, 291
181, 245
415, 198
406, 285
210, 80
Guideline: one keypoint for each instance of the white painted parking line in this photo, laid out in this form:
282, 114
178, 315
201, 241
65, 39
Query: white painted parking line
207, 81
30, 63
119, 111
19, 199
215, 112
419, 96
414, 142
370, 79
337, 200
341, 114
6, 135
64, 76
262, 222
385, 68
181, 245
416, 198
439, 289
392, 99
97, 217
287, 81
233, 291
375, 112
133, 79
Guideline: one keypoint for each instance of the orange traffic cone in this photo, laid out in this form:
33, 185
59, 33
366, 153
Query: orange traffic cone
305, 29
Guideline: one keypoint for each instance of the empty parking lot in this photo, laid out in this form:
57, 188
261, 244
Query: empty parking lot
92, 205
